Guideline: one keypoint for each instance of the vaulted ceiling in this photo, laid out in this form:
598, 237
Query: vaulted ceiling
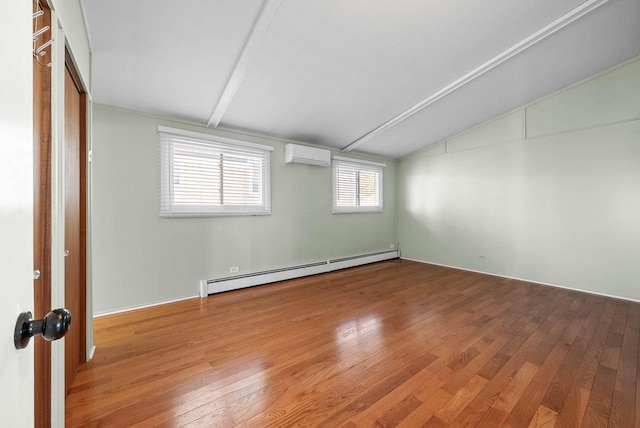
380, 77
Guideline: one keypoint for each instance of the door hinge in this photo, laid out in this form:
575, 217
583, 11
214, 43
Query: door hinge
36, 274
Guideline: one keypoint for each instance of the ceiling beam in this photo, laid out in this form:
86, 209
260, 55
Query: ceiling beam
514, 50
260, 26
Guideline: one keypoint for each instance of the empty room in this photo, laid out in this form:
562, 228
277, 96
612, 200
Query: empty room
334, 214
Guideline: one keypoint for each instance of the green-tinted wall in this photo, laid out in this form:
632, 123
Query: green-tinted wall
548, 193
140, 258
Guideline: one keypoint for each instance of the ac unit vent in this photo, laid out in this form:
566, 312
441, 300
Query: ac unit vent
295, 153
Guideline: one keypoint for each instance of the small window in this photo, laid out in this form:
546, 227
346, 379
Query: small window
357, 185
204, 175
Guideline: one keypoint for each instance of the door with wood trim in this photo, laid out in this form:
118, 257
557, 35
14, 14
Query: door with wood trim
75, 221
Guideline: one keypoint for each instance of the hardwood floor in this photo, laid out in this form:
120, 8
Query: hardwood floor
396, 343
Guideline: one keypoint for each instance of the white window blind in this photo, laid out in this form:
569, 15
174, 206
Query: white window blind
357, 185
203, 175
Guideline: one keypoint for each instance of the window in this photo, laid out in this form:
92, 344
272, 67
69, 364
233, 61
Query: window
357, 185
205, 175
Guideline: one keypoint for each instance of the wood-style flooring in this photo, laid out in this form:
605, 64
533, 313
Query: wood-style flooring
395, 343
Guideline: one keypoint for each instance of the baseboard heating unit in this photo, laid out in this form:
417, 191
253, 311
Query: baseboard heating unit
219, 285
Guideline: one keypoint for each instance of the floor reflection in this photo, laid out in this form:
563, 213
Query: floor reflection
353, 337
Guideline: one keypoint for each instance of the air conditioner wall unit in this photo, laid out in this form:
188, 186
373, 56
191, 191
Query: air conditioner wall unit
295, 153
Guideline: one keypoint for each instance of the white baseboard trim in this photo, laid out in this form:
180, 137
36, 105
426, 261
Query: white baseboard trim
613, 296
92, 351
219, 285
133, 308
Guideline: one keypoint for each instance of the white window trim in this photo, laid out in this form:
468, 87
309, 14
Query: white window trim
166, 204
357, 209
360, 161
214, 138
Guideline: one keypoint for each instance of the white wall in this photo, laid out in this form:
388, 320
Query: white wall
140, 258
559, 206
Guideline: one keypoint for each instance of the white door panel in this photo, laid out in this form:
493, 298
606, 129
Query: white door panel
16, 209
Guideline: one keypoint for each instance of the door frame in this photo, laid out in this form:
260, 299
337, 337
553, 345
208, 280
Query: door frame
57, 215
59, 49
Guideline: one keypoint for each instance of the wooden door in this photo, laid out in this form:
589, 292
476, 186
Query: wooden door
42, 216
75, 222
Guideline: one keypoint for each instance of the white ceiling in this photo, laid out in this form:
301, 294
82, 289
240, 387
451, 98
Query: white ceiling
329, 72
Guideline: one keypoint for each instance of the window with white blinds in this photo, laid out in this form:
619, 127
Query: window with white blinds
357, 185
204, 175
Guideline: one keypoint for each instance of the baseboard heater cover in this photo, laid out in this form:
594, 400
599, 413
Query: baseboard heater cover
219, 285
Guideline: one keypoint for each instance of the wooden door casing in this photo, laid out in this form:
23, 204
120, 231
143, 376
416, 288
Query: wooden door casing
42, 219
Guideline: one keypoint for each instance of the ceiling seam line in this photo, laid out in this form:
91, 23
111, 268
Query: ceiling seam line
502, 57
263, 21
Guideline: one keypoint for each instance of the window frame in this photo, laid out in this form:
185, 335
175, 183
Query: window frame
359, 165
173, 139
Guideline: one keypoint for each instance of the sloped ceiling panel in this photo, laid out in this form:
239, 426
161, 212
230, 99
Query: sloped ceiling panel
603, 38
167, 57
330, 71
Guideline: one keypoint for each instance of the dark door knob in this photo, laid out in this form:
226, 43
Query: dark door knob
53, 326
